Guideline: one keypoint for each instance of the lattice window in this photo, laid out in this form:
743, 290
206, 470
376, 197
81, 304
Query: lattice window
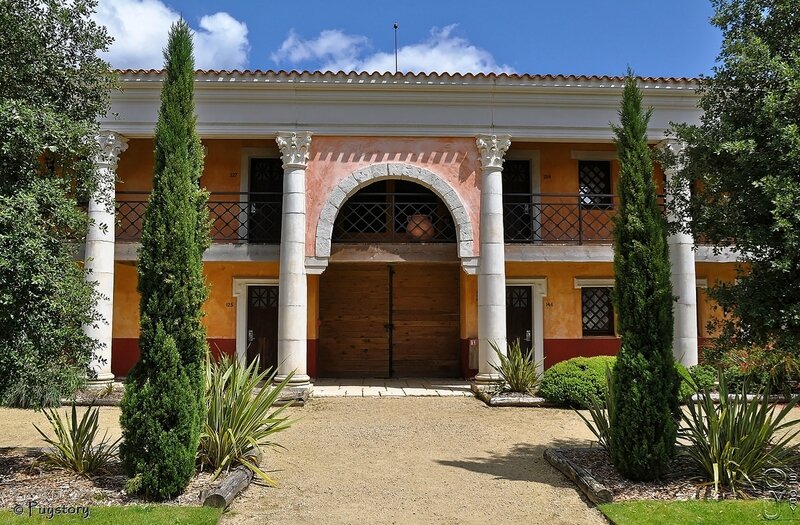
264, 297
598, 311
517, 176
517, 297
594, 181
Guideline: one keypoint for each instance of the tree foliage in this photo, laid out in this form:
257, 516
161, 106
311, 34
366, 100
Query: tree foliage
162, 411
743, 163
53, 88
643, 428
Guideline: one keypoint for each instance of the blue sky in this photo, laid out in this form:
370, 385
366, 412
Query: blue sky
568, 36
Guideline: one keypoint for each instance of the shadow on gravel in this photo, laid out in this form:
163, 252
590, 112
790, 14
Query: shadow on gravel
524, 462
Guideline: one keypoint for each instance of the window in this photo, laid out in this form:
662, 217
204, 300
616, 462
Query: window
594, 182
597, 311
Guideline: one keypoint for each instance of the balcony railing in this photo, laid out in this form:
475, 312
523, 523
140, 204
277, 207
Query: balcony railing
394, 218
235, 217
556, 218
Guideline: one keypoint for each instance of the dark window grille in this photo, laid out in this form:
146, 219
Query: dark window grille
394, 212
594, 181
265, 206
597, 311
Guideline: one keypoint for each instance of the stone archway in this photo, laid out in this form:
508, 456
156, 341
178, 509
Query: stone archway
399, 171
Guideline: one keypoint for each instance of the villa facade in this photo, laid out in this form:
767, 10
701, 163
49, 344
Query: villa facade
378, 225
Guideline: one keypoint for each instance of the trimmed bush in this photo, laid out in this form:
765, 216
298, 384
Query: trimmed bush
577, 381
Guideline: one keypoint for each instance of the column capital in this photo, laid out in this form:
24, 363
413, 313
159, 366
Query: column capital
294, 146
492, 149
112, 145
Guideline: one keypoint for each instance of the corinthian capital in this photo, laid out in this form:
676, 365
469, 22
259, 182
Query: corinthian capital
492, 149
112, 145
294, 146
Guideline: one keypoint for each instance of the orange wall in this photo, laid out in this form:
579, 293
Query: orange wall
468, 305
706, 307
562, 305
220, 319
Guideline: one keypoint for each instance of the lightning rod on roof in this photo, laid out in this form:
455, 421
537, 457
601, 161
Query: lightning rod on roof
396, 25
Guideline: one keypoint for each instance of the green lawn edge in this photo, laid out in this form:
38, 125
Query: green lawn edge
129, 515
739, 512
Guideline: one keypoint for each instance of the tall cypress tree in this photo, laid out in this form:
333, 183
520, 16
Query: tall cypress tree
162, 410
643, 428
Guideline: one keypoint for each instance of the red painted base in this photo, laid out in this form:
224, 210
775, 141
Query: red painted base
125, 352
557, 350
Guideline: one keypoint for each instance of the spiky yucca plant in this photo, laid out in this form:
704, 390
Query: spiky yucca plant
601, 410
76, 446
519, 372
740, 440
238, 424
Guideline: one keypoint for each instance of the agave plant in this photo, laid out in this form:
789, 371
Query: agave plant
75, 446
601, 411
518, 371
240, 422
739, 441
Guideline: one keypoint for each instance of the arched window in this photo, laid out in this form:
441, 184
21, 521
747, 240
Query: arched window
394, 211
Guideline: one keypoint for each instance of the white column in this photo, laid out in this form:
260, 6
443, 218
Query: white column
99, 257
681, 256
491, 267
292, 288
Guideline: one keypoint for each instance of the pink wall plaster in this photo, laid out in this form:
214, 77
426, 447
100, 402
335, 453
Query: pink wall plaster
332, 159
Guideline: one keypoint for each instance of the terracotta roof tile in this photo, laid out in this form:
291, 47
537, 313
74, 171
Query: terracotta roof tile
416, 77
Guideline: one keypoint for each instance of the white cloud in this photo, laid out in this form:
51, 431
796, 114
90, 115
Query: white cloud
337, 49
140, 29
441, 52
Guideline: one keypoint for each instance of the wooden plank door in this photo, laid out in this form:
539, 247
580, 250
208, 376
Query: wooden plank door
425, 317
354, 314
262, 325
519, 316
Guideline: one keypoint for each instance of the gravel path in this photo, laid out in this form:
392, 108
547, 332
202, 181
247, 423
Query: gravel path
400, 460
418, 460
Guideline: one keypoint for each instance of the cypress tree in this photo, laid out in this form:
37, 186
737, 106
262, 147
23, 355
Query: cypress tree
643, 427
162, 410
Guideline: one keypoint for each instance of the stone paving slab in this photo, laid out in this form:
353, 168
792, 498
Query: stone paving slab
401, 387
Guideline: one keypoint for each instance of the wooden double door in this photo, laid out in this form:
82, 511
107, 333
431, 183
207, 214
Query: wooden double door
389, 321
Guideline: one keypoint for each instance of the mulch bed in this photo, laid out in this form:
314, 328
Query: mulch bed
682, 483
97, 396
23, 479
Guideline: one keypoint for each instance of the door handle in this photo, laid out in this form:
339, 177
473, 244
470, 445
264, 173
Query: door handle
250, 336
528, 335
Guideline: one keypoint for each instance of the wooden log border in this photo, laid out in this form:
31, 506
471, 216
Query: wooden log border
594, 490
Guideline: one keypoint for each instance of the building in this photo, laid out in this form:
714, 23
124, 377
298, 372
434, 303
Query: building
396, 224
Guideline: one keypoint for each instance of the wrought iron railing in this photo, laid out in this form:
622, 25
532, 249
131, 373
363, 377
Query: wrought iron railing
235, 217
394, 218
557, 218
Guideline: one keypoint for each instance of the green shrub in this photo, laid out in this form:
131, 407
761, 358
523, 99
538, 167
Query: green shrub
518, 371
76, 446
162, 410
738, 441
238, 423
704, 377
601, 410
577, 381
